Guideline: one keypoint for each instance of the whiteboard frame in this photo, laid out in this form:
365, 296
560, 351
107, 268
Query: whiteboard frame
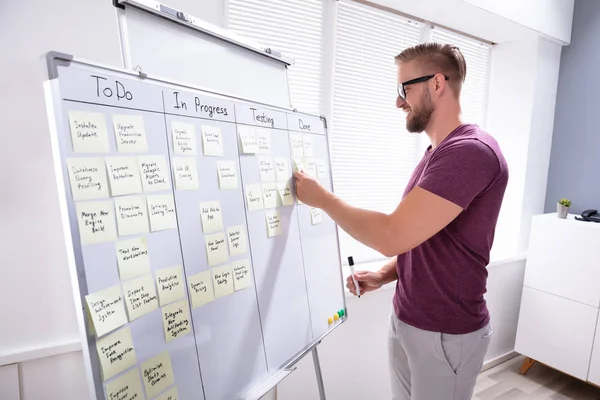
52, 98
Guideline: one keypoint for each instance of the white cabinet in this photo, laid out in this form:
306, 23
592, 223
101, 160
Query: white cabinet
561, 297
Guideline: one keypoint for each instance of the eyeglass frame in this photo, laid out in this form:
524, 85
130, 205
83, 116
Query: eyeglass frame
402, 91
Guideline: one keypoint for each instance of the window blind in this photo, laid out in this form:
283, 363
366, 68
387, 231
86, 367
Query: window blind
475, 89
373, 155
293, 27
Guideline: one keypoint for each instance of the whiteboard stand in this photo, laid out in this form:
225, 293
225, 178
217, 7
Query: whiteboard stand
315, 355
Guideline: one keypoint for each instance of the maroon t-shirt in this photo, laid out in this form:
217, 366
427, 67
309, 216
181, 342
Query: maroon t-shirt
442, 281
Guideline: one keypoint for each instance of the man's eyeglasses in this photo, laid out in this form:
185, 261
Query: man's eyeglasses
401, 87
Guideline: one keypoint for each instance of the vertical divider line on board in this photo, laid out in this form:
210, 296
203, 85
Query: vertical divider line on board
243, 189
297, 210
183, 263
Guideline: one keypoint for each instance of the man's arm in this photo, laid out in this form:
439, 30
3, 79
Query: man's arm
388, 272
419, 216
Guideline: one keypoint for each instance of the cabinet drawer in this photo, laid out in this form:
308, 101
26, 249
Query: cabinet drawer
556, 331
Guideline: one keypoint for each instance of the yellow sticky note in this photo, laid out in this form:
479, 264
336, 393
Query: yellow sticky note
321, 170
308, 147
241, 274
132, 258
282, 172
169, 282
176, 320
132, 215
155, 174
248, 139
123, 175
116, 353
130, 133
222, 281
161, 208
237, 240
185, 172
311, 167
227, 173
299, 165
270, 197
273, 218
254, 197
216, 248
285, 193
157, 374
212, 141
88, 132
263, 139
96, 221
266, 168
210, 214
316, 216
200, 289
297, 146
170, 394
107, 309
126, 387
184, 138
140, 297
88, 178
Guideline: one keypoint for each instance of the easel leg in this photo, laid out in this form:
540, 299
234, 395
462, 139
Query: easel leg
315, 355
527, 364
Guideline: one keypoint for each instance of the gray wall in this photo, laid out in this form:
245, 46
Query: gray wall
575, 159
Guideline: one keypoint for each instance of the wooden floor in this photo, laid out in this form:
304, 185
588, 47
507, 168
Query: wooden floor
504, 382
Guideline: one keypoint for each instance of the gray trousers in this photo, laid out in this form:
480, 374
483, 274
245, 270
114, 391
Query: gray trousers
428, 365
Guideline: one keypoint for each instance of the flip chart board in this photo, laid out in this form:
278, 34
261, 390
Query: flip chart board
198, 272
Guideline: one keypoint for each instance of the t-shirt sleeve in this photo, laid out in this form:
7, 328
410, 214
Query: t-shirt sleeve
461, 171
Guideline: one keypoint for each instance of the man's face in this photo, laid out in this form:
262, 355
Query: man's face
418, 105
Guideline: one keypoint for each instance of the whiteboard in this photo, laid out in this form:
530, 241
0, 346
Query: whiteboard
233, 343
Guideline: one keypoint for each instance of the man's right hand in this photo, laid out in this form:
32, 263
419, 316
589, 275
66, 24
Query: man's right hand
367, 281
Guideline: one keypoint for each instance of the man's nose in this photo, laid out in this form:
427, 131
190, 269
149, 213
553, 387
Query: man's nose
400, 102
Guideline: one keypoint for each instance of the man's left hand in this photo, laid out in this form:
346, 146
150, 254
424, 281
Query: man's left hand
309, 190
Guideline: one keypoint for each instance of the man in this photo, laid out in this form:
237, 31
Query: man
440, 234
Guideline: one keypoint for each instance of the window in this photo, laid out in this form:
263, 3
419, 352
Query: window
373, 155
294, 28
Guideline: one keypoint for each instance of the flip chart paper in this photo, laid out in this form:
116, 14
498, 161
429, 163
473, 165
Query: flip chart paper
107, 309
88, 178
184, 138
123, 175
200, 289
222, 281
185, 172
116, 353
157, 374
88, 132
132, 215
96, 221
154, 172
140, 296
169, 283
176, 320
130, 133
132, 258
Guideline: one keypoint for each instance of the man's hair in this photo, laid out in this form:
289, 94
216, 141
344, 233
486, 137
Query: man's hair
438, 58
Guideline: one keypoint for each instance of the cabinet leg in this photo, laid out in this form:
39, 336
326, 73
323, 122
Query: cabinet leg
527, 364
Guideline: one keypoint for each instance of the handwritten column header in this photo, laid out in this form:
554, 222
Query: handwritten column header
253, 115
305, 123
197, 105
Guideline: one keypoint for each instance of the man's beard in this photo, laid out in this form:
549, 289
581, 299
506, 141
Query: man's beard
419, 119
